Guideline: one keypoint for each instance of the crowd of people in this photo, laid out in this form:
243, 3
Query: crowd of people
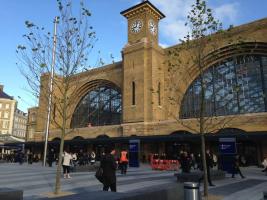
110, 161
194, 161
20, 157
77, 159
191, 161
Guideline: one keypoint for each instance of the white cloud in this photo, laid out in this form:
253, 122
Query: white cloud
163, 45
227, 12
173, 26
175, 30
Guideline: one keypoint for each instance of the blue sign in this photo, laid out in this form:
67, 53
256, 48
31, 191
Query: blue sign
134, 146
227, 146
227, 149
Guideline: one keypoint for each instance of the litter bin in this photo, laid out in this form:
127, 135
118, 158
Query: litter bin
191, 191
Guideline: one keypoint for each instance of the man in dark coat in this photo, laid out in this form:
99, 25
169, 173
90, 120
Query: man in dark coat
209, 162
108, 164
51, 157
185, 162
30, 157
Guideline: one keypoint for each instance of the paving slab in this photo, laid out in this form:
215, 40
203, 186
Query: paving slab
35, 180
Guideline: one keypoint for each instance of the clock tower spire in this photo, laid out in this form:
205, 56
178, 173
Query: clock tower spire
143, 22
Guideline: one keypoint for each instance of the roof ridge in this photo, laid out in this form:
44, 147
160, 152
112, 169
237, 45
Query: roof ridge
4, 95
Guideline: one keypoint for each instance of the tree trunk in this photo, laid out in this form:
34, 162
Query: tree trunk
63, 133
204, 164
202, 128
59, 166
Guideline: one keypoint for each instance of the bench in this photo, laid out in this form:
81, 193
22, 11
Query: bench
11, 194
197, 176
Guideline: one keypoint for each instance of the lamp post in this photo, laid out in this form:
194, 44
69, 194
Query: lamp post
50, 90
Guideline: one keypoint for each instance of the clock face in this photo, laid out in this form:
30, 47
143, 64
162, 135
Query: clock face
136, 26
152, 27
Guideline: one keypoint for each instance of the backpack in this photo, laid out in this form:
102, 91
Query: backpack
99, 174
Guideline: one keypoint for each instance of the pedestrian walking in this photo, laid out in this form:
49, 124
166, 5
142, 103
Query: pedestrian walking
124, 161
73, 162
236, 168
214, 160
185, 162
20, 157
92, 157
30, 157
199, 162
51, 157
264, 163
193, 161
66, 164
209, 163
108, 164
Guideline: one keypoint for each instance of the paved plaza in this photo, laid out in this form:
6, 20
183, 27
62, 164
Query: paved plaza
36, 180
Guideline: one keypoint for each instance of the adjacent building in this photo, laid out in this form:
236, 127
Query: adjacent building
7, 110
12, 120
20, 121
31, 123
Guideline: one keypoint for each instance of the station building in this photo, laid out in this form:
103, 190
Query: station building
137, 98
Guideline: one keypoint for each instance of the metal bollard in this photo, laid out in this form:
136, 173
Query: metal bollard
191, 191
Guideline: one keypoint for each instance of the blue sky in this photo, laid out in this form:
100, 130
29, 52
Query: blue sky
110, 27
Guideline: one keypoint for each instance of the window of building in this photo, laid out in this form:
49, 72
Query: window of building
5, 124
33, 117
7, 106
54, 111
133, 93
31, 133
1, 105
159, 95
235, 86
100, 106
6, 114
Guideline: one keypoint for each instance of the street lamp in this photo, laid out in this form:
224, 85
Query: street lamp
50, 90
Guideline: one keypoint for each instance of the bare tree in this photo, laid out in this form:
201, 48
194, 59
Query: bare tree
75, 40
194, 47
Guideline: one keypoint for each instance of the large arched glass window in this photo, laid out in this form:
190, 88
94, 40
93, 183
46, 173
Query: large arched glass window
100, 106
237, 85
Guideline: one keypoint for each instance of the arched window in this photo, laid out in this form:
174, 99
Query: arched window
237, 85
100, 106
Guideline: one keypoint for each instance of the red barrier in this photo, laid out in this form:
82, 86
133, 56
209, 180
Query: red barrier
163, 164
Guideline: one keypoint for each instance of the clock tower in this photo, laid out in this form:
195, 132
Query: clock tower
143, 22
143, 70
